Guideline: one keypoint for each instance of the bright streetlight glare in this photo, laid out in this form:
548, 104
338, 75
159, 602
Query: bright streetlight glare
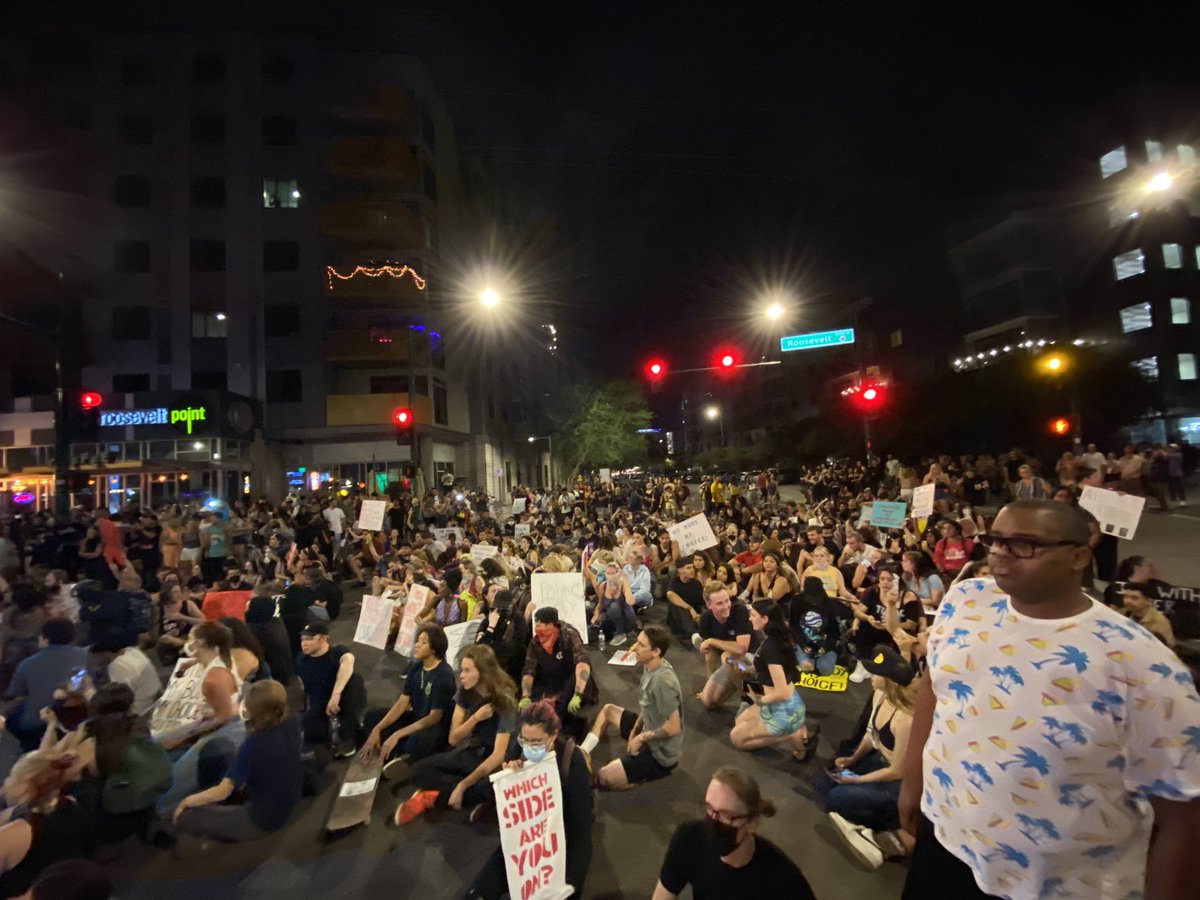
1054, 363
489, 297
712, 412
532, 439
1160, 182
774, 311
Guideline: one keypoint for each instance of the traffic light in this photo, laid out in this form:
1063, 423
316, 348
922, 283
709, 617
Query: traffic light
87, 416
656, 371
402, 418
726, 360
1060, 426
870, 397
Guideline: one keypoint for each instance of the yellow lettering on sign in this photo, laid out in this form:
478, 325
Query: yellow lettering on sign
834, 683
188, 416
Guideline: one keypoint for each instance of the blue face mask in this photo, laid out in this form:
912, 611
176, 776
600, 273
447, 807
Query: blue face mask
534, 753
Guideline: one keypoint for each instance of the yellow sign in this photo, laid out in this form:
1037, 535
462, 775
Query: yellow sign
833, 683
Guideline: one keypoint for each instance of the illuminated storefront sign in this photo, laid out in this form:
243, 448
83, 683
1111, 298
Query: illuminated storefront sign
187, 419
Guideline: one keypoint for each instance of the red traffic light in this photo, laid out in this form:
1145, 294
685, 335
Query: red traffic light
871, 394
402, 417
1060, 426
656, 369
869, 397
90, 400
726, 359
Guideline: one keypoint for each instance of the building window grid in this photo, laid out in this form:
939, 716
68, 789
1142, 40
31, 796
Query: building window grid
1186, 363
281, 193
1181, 311
209, 324
1126, 265
1137, 317
1148, 366
1154, 152
1112, 162
1172, 256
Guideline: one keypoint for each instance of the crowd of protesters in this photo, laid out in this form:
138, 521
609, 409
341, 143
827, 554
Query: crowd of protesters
147, 656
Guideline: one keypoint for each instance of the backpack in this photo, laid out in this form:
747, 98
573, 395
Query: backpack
144, 776
105, 608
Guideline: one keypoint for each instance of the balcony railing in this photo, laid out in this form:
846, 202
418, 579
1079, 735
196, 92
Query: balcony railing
373, 409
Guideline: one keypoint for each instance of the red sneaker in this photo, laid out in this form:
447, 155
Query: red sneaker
419, 803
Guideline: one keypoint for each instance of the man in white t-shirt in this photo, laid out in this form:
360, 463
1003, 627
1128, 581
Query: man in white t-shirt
129, 666
1093, 459
337, 522
1050, 735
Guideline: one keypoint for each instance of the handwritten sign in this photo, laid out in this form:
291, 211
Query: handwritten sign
1117, 514
460, 637
418, 596
480, 552
564, 592
864, 515
606, 476
834, 682
374, 621
370, 515
529, 806
885, 514
520, 531
922, 501
693, 534
623, 658
518, 506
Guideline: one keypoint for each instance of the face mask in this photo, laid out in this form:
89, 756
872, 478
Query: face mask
722, 838
534, 753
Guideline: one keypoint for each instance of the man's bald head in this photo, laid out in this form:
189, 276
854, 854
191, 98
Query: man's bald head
1053, 520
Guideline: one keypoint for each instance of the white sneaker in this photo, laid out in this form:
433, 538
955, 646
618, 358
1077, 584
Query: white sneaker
859, 840
696, 640
617, 640
860, 674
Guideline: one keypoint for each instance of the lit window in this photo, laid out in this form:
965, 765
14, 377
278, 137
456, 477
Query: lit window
1112, 162
1136, 318
1148, 367
1126, 265
896, 338
209, 325
1154, 152
1173, 256
1198, 257
1187, 154
1187, 366
1181, 311
281, 193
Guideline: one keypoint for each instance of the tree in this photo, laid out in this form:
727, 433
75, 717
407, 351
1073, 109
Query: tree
598, 426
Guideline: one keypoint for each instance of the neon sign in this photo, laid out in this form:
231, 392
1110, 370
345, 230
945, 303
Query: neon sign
23, 499
186, 419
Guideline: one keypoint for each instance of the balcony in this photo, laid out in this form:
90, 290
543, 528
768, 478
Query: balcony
373, 409
389, 224
368, 346
374, 157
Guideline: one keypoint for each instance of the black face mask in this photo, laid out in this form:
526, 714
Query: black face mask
721, 837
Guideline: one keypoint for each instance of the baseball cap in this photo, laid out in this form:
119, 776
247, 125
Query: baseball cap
312, 629
887, 662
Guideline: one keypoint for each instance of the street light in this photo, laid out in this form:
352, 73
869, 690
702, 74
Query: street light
714, 412
489, 298
775, 312
549, 452
1160, 182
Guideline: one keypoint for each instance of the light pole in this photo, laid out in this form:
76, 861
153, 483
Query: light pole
714, 412
549, 452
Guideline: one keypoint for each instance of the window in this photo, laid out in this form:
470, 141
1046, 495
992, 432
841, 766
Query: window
1126, 265
131, 323
208, 130
284, 386
131, 256
389, 384
1136, 318
281, 256
131, 382
137, 68
278, 67
896, 338
1112, 162
208, 68
207, 256
441, 413
1154, 153
1148, 367
209, 324
281, 193
208, 192
279, 131
1173, 256
1187, 155
135, 129
1187, 366
282, 320
1181, 311
209, 381
131, 191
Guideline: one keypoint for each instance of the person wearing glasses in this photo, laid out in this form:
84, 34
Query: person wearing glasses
1055, 741
722, 855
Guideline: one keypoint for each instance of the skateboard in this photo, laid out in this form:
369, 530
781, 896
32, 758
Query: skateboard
356, 794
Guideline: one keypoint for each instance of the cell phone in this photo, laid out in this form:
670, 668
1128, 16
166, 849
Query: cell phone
847, 773
76, 681
756, 687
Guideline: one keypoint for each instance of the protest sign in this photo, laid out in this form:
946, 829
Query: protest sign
370, 515
460, 637
418, 596
864, 515
1117, 514
443, 534
834, 682
563, 591
624, 658
374, 621
693, 534
606, 476
518, 506
885, 514
529, 806
923, 501
520, 531
480, 552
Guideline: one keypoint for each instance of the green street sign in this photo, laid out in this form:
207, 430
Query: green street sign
811, 341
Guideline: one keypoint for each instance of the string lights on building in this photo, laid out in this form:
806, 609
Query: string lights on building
983, 358
390, 269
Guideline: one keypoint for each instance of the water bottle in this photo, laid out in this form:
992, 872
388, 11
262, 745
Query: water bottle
335, 729
602, 640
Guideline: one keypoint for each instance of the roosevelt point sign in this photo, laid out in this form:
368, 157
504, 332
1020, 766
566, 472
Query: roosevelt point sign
815, 339
184, 418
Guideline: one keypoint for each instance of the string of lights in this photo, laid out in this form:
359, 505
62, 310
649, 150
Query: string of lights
392, 270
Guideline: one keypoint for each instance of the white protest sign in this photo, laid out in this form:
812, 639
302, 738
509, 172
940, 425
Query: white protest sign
374, 621
563, 591
480, 552
1118, 514
693, 534
606, 476
922, 502
443, 534
529, 806
370, 515
518, 506
418, 596
864, 515
520, 531
460, 637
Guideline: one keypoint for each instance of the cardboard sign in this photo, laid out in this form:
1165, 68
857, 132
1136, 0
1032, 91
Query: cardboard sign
624, 658
443, 534
693, 534
370, 515
922, 502
480, 552
864, 515
418, 596
460, 636
529, 807
834, 683
606, 476
374, 621
1117, 514
886, 514
520, 531
563, 591
518, 506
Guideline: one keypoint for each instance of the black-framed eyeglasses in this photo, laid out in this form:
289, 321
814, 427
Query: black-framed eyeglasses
1021, 548
723, 816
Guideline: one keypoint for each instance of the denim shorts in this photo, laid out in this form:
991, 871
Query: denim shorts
784, 717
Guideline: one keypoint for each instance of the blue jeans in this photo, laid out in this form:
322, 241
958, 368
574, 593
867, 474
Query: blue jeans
873, 805
618, 618
642, 600
824, 664
186, 771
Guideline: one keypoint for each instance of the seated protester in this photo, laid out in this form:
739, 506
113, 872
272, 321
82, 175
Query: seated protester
177, 616
953, 550
920, 577
1139, 606
872, 625
480, 730
540, 733
503, 629
295, 609
615, 614
335, 695
776, 712
814, 621
36, 677
722, 856
832, 580
447, 607
637, 576
267, 769
771, 582
228, 598
247, 653
1140, 569
686, 598
724, 638
557, 668
329, 595
751, 558
866, 573
111, 654
862, 790
418, 724
654, 734
272, 635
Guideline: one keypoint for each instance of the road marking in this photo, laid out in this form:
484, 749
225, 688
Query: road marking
1182, 516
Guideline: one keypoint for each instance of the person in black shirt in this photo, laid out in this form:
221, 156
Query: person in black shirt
294, 609
870, 626
721, 856
418, 723
272, 635
336, 696
776, 713
686, 597
725, 639
329, 595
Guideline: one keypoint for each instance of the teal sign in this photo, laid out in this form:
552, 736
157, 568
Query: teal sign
816, 339
888, 515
